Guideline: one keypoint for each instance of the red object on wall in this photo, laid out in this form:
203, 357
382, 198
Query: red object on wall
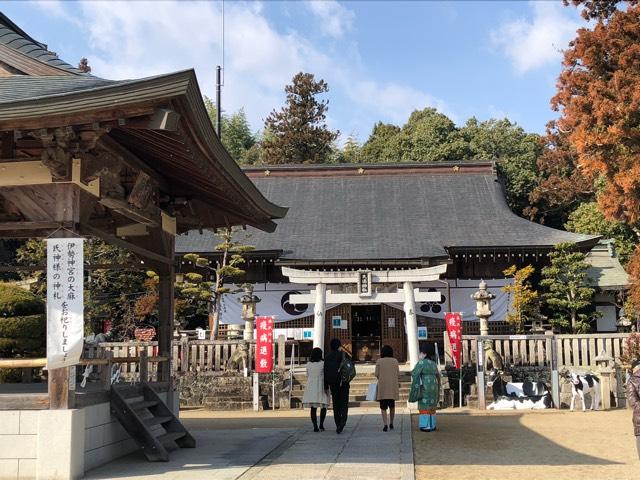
453, 321
107, 325
264, 344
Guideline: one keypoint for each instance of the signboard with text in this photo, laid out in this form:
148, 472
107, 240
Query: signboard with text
264, 344
453, 321
65, 301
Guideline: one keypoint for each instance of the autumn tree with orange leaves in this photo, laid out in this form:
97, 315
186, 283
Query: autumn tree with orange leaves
599, 100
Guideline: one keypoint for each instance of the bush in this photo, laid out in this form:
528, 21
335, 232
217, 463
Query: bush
631, 349
15, 301
24, 347
23, 323
33, 326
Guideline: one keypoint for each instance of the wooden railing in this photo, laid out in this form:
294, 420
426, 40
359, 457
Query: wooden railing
188, 355
572, 350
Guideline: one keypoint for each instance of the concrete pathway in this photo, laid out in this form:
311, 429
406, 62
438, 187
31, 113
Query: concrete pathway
362, 451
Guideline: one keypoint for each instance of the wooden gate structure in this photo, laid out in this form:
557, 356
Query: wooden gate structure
132, 162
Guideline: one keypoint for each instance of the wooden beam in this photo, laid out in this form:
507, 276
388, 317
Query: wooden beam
140, 251
7, 144
115, 148
162, 119
150, 216
24, 401
77, 118
7, 226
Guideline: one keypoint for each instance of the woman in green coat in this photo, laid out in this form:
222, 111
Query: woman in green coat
425, 389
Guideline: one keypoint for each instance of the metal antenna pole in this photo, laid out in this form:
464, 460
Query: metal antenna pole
218, 105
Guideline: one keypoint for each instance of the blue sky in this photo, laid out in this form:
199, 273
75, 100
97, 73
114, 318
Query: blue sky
381, 59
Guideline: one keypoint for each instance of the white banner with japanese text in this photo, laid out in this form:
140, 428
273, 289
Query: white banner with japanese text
65, 301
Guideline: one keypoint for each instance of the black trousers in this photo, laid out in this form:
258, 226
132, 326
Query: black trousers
340, 399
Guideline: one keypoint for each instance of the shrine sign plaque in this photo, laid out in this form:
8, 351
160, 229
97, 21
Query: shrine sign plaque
65, 301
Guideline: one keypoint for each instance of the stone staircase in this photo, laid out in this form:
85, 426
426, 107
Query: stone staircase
357, 392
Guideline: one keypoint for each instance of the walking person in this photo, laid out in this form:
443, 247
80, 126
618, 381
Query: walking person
315, 394
633, 396
387, 371
425, 389
333, 381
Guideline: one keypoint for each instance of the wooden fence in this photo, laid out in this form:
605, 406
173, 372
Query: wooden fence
572, 350
189, 355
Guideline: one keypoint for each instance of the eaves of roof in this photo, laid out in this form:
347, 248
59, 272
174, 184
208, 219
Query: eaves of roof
179, 86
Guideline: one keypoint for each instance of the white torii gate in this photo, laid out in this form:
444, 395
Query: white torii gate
364, 280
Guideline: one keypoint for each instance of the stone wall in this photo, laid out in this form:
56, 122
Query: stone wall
18, 444
230, 390
43, 444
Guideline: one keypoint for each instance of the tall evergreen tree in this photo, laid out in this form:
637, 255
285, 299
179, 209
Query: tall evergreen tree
567, 293
298, 132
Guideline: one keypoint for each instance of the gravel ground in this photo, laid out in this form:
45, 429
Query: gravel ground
534, 445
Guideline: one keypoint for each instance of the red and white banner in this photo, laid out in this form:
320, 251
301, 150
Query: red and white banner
453, 321
264, 344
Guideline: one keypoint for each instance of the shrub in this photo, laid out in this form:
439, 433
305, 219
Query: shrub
15, 301
631, 349
23, 323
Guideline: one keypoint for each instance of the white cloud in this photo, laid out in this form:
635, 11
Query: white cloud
392, 101
137, 39
335, 19
537, 41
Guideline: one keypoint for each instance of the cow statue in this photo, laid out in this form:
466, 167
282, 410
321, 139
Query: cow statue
581, 384
517, 395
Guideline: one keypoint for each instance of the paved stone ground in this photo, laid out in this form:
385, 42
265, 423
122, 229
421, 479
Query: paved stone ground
266, 446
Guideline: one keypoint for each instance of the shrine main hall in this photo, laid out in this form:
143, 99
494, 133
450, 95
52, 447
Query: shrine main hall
376, 254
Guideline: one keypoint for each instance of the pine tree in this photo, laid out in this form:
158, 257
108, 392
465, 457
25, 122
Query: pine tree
568, 295
298, 132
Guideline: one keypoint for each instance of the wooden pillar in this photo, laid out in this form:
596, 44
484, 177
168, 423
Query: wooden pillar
65, 207
412, 324
165, 321
318, 316
482, 402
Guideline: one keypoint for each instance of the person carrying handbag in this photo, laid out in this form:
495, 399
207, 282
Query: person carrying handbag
388, 391
338, 372
425, 389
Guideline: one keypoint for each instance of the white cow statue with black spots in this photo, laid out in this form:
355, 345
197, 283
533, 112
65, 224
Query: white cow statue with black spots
581, 384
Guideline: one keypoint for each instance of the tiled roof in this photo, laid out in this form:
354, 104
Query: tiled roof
397, 216
605, 271
15, 38
24, 87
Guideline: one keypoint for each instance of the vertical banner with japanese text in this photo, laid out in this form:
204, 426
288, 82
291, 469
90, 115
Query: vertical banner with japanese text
453, 321
264, 344
65, 301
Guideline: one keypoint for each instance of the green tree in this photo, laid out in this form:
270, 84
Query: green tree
298, 132
351, 151
108, 292
523, 296
567, 294
228, 266
430, 136
236, 134
588, 219
515, 151
382, 146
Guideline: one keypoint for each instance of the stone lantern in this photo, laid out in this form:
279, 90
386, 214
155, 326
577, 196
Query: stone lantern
248, 301
483, 306
605, 366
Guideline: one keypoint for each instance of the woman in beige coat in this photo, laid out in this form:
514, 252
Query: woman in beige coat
388, 392
315, 396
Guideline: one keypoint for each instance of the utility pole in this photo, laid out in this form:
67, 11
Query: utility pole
218, 105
